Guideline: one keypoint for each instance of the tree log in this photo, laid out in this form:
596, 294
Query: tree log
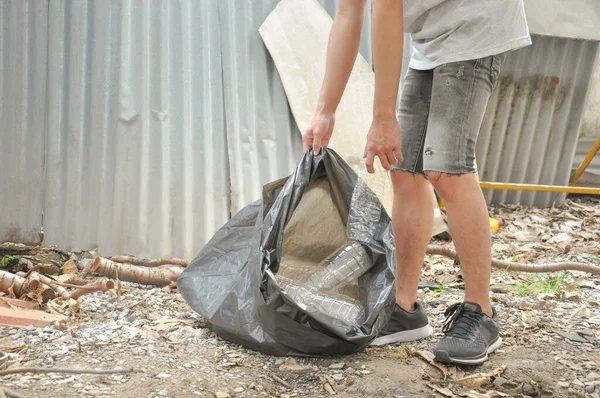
144, 262
19, 284
134, 273
44, 291
520, 267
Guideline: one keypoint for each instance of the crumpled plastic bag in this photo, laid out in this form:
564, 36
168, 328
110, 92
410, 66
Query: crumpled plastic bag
308, 270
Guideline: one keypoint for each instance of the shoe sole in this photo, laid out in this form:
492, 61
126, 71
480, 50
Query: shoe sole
404, 336
443, 357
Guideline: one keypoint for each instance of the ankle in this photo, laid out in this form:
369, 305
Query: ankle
486, 306
407, 305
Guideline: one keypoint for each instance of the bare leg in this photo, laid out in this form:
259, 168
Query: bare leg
412, 217
470, 230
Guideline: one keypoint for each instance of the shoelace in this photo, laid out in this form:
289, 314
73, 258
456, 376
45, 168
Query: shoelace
460, 322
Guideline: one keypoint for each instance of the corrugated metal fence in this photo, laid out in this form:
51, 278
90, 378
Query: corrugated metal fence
155, 120
139, 126
533, 119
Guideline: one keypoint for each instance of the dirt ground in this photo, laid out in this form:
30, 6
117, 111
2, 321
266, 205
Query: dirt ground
549, 324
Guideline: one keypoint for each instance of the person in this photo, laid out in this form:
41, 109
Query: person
458, 47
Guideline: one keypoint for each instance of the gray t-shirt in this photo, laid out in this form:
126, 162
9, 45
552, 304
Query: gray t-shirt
445, 31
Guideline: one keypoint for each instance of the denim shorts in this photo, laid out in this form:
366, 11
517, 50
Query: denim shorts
441, 111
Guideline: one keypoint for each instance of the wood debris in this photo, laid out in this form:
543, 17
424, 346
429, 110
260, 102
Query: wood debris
21, 318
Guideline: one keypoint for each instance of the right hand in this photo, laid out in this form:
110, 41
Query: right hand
384, 142
318, 133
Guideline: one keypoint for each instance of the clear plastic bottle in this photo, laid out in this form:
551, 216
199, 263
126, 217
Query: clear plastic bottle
365, 207
341, 268
351, 314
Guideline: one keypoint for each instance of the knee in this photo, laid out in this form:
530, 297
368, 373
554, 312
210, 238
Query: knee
446, 185
405, 181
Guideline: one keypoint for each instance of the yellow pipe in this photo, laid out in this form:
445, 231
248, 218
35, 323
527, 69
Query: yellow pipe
533, 187
585, 163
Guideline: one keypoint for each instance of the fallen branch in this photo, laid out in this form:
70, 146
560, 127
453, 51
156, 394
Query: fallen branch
149, 262
520, 267
73, 279
66, 370
36, 267
86, 269
283, 382
19, 285
100, 285
134, 273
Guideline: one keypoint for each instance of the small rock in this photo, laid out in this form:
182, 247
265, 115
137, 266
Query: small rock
589, 388
571, 336
238, 389
221, 394
279, 361
163, 393
506, 386
577, 382
586, 332
528, 389
563, 384
593, 376
339, 365
259, 387
163, 375
499, 289
365, 372
284, 396
338, 377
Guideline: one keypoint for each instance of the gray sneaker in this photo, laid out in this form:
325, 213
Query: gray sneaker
470, 335
404, 326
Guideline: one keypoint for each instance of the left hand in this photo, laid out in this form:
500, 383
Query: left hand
383, 141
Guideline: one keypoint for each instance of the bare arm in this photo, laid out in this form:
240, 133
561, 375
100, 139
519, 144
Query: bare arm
387, 33
342, 49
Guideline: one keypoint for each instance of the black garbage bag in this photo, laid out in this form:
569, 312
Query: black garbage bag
309, 270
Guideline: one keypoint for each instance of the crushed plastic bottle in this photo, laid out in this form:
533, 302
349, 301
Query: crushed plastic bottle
365, 207
345, 311
341, 268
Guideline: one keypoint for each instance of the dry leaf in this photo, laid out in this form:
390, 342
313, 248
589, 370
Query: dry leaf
290, 365
588, 285
455, 373
442, 390
428, 356
488, 394
329, 389
149, 333
245, 362
69, 267
331, 382
481, 379
570, 296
